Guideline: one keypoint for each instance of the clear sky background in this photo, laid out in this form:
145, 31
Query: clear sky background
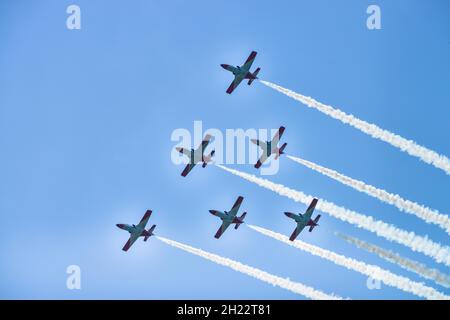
86, 118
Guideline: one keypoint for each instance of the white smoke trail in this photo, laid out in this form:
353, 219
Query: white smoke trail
409, 146
377, 273
407, 264
424, 213
417, 243
295, 287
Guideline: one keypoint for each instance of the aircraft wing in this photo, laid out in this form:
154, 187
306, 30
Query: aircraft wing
234, 84
248, 63
310, 209
133, 238
205, 142
144, 219
261, 160
300, 227
188, 169
222, 229
276, 138
234, 210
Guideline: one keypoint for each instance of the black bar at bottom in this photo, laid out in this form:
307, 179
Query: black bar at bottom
218, 309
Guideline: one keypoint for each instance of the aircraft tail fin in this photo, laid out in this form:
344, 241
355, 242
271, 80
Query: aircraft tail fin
254, 76
241, 218
315, 224
280, 151
208, 158
149, 233
282, 148
317, 219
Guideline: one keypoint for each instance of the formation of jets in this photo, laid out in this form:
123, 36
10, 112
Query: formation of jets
198, 155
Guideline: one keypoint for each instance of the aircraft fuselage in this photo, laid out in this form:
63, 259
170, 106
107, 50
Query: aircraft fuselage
269, 148
272, 149
197, 156
300, 219
224, 216
239, 72
131, 229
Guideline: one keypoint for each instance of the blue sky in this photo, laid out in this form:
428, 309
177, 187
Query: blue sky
86, 118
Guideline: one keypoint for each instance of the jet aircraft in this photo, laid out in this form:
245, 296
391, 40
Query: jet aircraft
137, 231
270, 147
197, 155
304, 220
229, 217
242, 72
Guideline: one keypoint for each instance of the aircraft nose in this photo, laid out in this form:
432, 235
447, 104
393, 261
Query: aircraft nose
120, 225
223, 65
213, 212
